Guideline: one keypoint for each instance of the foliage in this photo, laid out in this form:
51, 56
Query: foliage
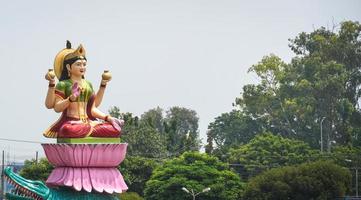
267, 151
114, 111
137, 171
321, 82
144, 141
345, 156
153, 118
130, 196
193, 171
181, 127
36, 171
231, 130
153, 135
318, 180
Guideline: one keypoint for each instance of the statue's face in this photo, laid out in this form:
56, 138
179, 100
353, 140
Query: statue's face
78, 68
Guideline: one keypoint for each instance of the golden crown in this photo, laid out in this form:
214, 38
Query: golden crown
78, 53
67, 54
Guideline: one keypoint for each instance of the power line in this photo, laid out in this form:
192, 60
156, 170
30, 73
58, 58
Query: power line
24, 141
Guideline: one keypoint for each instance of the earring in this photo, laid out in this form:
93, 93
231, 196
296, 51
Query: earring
68, 73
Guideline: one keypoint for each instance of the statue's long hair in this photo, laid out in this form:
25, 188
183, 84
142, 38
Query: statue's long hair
64, 73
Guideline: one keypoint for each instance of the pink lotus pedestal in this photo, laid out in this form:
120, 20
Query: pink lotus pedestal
89, 167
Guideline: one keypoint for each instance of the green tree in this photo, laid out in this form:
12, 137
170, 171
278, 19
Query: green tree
181, 128
231, 130
342, 47
318, 180
322, 81
154, 135
36, 171
267, 151
137, 171
338, 95
145, 141
131, 121
193, 171
114, 111
346, 156
154, 118
130, 196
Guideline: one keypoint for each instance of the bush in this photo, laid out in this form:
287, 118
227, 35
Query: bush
36, 171
130, 196
194, 171
267, 151
318, 180
136, 171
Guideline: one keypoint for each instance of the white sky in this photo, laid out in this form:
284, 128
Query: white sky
190, 53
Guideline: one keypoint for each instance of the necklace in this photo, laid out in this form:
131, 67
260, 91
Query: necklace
83, 95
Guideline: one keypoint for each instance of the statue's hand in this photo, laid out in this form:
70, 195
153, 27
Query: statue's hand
75, 91
104, 82
116, 123
50, 76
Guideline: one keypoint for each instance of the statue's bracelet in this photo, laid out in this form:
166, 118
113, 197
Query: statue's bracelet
71, 101
51, 85
103, 85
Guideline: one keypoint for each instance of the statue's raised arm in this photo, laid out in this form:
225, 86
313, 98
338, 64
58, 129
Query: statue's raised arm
75, 98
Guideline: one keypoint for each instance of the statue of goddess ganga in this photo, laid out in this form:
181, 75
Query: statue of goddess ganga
75, 98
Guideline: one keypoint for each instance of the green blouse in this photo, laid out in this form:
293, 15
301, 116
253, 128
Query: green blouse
63, 89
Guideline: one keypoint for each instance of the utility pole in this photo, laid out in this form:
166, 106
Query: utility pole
356, 183
191, 192
321, 142
36, 157
356, 175
2, 175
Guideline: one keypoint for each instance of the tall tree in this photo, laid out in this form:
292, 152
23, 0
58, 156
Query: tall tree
137, 171
143, 139
232, 130
338, 81
268, 151
157, 136
154, 118
321, 86
196, 172
181, 128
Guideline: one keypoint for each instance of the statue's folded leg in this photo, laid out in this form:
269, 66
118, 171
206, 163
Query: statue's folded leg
73, 129
104, 130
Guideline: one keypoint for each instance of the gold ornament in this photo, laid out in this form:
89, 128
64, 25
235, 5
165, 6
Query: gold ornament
66, 54
78, 53
50, 75
106, 75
